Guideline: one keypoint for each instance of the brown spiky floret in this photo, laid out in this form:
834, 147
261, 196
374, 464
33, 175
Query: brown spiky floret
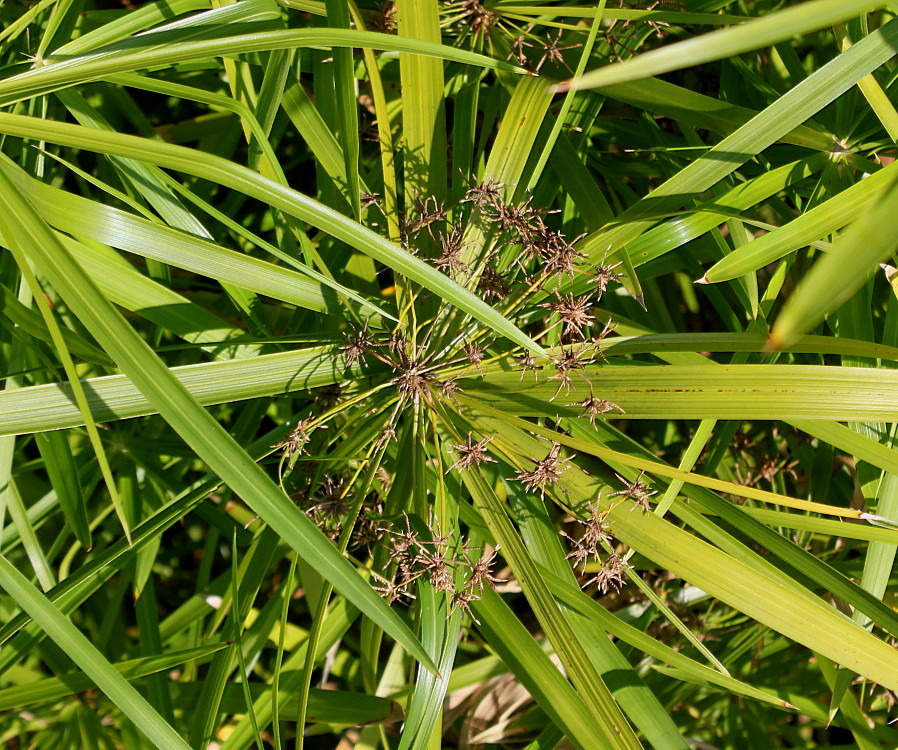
480, 571
517, 50
475, 15
475, 354
527, 361
424, 213
368, 531
387, 434
523, 220
552, 52
594, 407
391, 589
545, 472
412, 382
370, 199
436, 561
451, 247
449, 387
484, 195
471, 453
294, 444
403, 547
597, 340
611, 575
492, 284
433, 557
637, 491
567, 361
384, 19
331, 500
358, 344
596, 532
605, 275
573, 313
560, 258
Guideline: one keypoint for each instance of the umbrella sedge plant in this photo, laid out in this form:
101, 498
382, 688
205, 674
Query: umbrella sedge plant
357, 391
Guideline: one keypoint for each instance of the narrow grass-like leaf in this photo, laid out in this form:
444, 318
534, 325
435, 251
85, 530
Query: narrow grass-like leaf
702, 111
516, 647
424, 117
820, 221
89, 220
679, 230
787, 112
610, 724
785, 608
63, 472
50, 407
837, 276
152, 50
290, 201
718, 45
30, 322
88, 659
715, 392
198, 428
54, 688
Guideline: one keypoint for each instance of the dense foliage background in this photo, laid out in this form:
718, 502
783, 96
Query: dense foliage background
356, 377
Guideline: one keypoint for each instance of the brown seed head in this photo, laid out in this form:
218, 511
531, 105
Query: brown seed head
471, 453
545, 472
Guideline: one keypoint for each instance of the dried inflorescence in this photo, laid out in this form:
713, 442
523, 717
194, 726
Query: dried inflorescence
485, 194
613, 33
471, 453
604, 275
412, 382
475, 15
545, 472
330, 505
492, 284
527, 362
560, 257
367, 531
475, 354
423, 214
552, 50
596, 533
595, 407
637, 491
436, 561
544, 253
450, 259
517, 49
294, 444
611, 574
597, 340
384, 19
481, 571
568, 360
358, 344
573, 312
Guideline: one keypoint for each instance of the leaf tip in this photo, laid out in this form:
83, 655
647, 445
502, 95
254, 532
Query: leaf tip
702, 280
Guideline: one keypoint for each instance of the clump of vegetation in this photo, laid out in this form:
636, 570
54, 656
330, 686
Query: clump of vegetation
460, 374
